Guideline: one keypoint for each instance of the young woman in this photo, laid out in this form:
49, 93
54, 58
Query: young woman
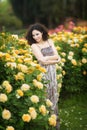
45, 52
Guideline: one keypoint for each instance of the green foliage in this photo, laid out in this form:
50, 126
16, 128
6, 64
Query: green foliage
40, 11
7, 16
22, 88
72, 48
49, 12
73, 112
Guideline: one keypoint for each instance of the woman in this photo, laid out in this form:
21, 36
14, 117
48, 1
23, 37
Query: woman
44, 50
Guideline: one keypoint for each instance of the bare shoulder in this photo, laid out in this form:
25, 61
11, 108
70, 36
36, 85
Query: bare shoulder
33, 46
51, 42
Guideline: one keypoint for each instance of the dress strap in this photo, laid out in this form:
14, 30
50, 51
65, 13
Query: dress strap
48, 42
41, 48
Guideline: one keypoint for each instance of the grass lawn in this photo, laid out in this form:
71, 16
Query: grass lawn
73, 112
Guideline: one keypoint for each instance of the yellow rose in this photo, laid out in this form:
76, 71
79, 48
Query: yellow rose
7, 56
84, 60
31, 69
22, 41
20, 92
63, 60
32, 112
84, 72
15, 36
3, 34
85, 45
16, 51
49, 103
54, 116
37, 84
7, 86
59, 76
26, 117
42, 69
3, 97
10, 128
71, 53
19, 76
52, 120
58, 67
70, 57
63, 54
39, 77
59, 85
5, 83
6, 114
58, 48
74, 62
77, 45
25, 87
34, 99
63, 72
28, 60
43, 110
20, 60
22, 68
84, 50
11, 65
37, 66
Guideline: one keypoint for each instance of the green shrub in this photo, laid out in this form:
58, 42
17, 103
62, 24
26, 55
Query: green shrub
8, 18
11, 22
72, 48
23, 103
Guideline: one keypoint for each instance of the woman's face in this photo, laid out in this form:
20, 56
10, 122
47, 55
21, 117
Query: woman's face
37, 36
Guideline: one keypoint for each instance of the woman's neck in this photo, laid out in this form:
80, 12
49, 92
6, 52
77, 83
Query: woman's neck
42, 42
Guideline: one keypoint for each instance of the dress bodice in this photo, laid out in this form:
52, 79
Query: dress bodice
47, 51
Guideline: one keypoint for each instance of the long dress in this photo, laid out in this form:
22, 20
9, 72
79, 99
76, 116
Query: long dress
50, 75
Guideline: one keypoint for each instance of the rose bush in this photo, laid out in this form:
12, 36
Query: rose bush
72, 48
23, 103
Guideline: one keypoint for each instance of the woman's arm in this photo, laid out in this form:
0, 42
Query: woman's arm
45, 60
37, 53
50, 62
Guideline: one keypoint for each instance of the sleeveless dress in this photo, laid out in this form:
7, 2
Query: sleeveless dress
52, 86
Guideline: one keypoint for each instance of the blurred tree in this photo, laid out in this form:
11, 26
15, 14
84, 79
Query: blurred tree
81, 9
52, 12
7, 17
49, 12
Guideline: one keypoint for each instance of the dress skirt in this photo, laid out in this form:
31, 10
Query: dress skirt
52, 91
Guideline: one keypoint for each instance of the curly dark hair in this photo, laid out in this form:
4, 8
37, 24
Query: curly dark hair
39, 27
